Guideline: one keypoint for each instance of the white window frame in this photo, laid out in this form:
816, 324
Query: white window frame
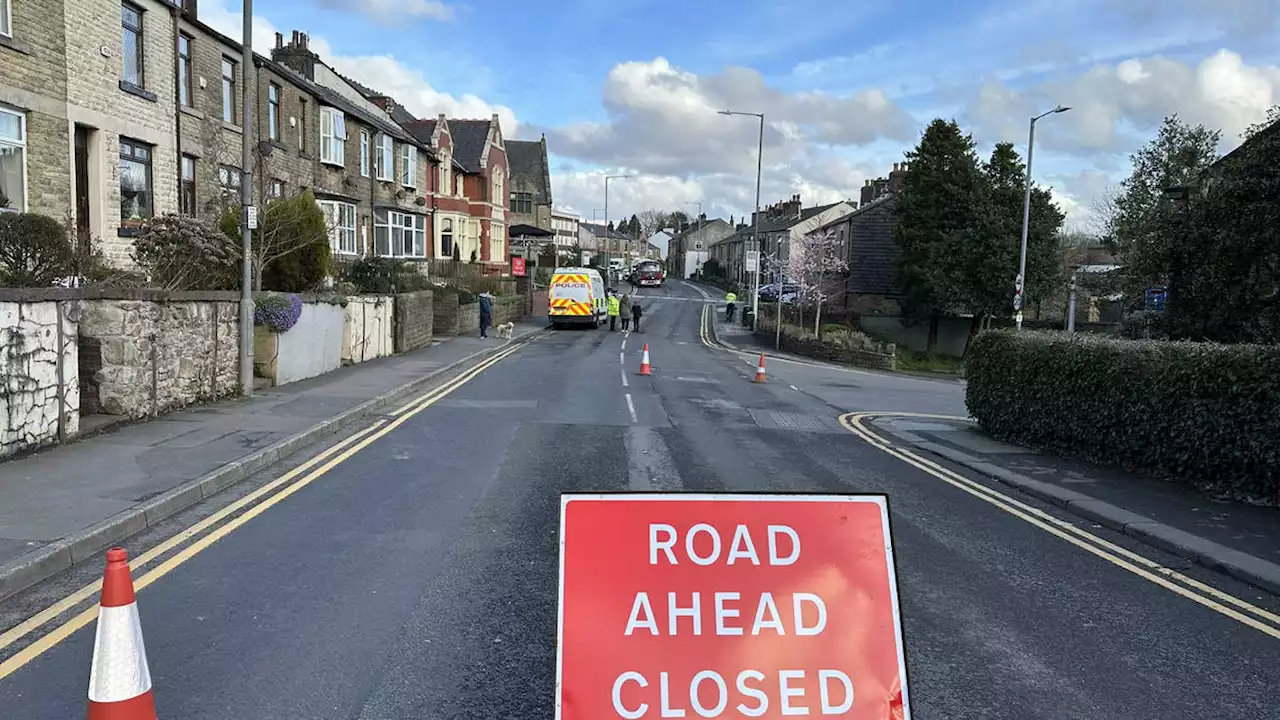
409, 166
333, 137
446, 179
341, 219
8, 18
496, 196
21, 145
392, 225
364, 153
497, 242
386, 158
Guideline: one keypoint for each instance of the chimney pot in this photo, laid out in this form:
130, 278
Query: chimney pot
294, 38
279, 40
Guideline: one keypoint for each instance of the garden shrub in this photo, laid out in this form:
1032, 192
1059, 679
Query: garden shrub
381, 276
278, 311
34, 250
1202, 413
182, 253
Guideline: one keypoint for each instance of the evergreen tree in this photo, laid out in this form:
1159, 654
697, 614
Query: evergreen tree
937, 204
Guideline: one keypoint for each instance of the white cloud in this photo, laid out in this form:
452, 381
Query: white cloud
383, 73
1115, 107
393, 12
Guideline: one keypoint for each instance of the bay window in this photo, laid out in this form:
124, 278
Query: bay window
398, 234
341, 219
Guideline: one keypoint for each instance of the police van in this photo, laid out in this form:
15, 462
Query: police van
576, 297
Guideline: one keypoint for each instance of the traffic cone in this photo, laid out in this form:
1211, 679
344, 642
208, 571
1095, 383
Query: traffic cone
644, 361
119, 680
760, 370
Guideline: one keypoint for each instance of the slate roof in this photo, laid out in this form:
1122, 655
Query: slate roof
526, 157
424, 129
599, 231
398, 111
469, 137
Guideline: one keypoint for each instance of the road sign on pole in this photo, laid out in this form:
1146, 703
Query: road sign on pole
751, 260
722, 605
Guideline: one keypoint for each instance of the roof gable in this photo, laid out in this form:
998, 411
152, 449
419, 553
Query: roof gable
469, 140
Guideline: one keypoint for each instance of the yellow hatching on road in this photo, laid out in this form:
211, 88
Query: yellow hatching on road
282, 487
1190, 588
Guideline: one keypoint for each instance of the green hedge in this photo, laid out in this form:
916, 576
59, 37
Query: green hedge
1200, 413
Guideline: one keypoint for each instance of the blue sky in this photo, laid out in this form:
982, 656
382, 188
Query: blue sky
630, 86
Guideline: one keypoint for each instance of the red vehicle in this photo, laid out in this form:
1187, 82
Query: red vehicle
647, 273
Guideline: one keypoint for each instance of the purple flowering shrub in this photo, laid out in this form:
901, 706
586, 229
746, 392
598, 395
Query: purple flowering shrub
278, 311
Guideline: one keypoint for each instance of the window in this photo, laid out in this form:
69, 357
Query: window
184, 70
229, 183
458, 191
341, 218
333, 136
409, 166
446, 165
497, 242
302, 125
13, 160
386, 160
228, 90
397, 234
446, 238
521, 202
6, 22
187, 186
276, 190
136, 195
497, 185
273, 111
364, 153
131, 44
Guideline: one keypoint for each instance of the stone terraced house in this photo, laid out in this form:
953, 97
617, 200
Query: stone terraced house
114, 111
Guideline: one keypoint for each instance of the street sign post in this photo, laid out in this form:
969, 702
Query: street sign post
725, 606
751, 260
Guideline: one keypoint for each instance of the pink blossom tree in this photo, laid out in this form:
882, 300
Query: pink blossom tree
812, 260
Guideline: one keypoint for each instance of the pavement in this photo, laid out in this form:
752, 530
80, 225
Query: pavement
58, 506
410, 571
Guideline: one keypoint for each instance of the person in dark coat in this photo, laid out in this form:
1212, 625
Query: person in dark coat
486, 313
636, 311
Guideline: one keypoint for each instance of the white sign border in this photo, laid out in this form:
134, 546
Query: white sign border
879, 499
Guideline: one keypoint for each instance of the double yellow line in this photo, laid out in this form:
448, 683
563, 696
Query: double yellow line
269, 495
1190, 588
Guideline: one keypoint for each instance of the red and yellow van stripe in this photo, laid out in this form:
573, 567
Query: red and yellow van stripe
566, 306
570, 278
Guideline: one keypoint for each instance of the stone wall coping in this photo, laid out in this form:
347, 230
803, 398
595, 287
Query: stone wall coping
27, 295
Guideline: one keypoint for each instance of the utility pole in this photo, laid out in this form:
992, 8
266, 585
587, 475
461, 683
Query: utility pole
249, 219
755, 222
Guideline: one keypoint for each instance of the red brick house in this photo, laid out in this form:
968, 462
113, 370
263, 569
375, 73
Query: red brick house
469, 193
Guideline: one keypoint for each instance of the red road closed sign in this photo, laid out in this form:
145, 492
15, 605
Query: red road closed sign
728, 606
517, 266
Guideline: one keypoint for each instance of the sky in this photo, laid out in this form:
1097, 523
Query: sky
632, 87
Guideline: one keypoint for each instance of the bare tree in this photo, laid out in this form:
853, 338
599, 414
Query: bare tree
652, 221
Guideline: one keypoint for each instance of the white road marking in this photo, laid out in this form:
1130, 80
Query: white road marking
793, 387
623, 373
624, 340
631, 408
622, 358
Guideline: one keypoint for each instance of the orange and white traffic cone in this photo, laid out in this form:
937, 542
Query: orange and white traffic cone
644, 361
760, 370
119, 680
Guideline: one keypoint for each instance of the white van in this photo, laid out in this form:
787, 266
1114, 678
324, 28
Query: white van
576, 297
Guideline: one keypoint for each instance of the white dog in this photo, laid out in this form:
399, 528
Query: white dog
505, 329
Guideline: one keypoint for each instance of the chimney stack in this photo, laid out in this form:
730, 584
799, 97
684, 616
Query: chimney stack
295, 55
279, 41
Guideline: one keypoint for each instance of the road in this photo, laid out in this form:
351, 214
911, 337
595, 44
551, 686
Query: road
413, 574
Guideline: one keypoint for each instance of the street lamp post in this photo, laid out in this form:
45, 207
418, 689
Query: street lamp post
755, 217
608, 240
248, 87
1019, 282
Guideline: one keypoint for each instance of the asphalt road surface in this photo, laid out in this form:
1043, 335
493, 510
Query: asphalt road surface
416, 578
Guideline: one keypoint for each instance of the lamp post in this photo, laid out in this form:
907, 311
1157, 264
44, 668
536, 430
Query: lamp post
609, 240
1019, 282
755, 217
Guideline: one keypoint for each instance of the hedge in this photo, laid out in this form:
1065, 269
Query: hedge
1200, 413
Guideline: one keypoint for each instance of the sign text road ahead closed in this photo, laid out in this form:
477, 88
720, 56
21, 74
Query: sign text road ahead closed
728, 606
